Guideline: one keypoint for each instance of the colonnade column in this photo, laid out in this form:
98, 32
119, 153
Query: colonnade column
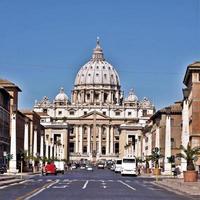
51, 148
107, 140
81, 139
100, 134
167, 165
150, 147
35, 142
185, 131
47, 149
13, 148
26, 137
157, 136
88, 140
111, 139
77, 139
42, 145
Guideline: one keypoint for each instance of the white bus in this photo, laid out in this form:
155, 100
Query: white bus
129, 166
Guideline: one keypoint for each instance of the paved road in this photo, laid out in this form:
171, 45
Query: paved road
85, 185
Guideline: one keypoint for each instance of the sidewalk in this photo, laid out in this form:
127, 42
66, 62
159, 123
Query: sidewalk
7, 179
178, 185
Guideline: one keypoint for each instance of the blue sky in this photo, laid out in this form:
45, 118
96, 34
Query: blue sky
149, 42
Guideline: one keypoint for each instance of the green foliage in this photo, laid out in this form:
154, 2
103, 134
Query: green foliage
190, 155
155, 156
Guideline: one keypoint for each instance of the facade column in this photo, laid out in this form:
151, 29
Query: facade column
100, 134
13, 148
136, 145
88, 140
81, 139
139, 146
167, 165
107, 140
26, 137
77, 139
111, 139
185, 131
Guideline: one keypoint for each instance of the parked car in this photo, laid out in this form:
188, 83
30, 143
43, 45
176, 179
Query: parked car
60, 166
50, 168
100, 165
83, 166
3, 169
89, 168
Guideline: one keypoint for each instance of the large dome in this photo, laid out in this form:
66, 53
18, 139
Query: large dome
97, 71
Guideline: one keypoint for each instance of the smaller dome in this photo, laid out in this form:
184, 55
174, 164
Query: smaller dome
131, 96
61, 96
145, 102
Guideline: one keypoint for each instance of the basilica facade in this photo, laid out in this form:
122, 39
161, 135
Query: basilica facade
97, 122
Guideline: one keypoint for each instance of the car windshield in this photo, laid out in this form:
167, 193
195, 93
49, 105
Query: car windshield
128, 160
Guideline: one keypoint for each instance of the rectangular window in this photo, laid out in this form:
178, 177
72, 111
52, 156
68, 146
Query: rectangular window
104, 113
144, 113
117, 113
60, 112
172, 143
71, 112
129, 113
85, 112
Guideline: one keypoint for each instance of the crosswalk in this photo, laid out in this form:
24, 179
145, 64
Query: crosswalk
102, 184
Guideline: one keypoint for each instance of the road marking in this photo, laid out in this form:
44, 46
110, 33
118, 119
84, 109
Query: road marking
127, 181
61, 186
49, 180
13, 184
110, 180
85, 185
132, 188
33, 193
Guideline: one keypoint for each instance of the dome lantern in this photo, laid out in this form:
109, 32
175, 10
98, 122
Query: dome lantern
61, 96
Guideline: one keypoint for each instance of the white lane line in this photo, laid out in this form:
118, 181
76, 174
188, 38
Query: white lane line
85, 185
39, 191
13, 184
132, 188
60, 186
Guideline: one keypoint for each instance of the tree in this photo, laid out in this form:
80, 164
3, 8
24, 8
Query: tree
155, 156
190, 155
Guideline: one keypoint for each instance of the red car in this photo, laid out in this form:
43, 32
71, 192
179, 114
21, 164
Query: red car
50, 168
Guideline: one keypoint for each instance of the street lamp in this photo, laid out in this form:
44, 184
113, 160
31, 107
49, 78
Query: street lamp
185, 93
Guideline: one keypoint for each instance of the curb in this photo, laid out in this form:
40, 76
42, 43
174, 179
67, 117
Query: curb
174, 190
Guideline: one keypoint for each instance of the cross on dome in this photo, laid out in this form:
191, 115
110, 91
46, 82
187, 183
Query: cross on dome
98, 52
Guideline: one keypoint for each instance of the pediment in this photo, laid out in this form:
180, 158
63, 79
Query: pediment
94, 114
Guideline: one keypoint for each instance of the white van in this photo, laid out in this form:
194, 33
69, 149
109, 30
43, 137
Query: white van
129, 166
60, 166
118, 166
